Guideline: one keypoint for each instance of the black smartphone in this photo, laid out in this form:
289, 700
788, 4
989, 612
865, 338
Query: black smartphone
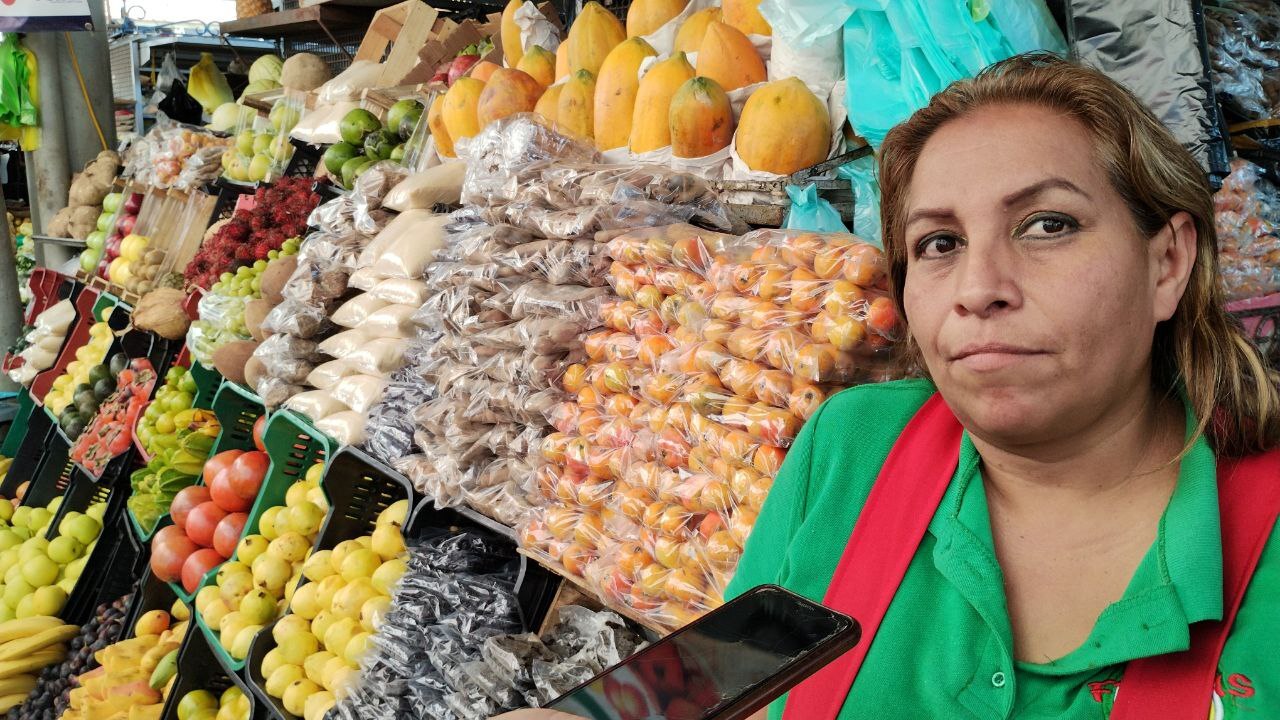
725, 666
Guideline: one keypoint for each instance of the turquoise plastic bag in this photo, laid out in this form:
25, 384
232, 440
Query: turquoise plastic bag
862, 174
810, 212
899, 53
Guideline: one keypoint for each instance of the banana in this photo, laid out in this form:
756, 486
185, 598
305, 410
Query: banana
38, 661
15, 649
17, 684
8, 702
17, 629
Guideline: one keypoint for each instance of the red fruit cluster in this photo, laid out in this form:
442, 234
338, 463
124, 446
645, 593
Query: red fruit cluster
280, 212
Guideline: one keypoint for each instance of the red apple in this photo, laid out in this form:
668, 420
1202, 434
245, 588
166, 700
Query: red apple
460, 66
197, 565
125, 225
184, 502
203, 521
227, 534
132, 204
169, 551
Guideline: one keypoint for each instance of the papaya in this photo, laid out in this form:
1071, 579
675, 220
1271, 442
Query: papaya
576, 105
701, 119
650, 124
616, 88
745, 16
540, 64
562, 61
512, 51
784, 128
483, 70
645, 16
729, 58
689, 36
508, 92
548, 105
592, 36
459, 109
435, 121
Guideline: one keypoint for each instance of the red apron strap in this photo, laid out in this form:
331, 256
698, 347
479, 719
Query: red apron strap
1180, 686
898, 510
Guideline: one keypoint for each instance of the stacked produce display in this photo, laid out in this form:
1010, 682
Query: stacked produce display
42, 563
28, 646
40, 346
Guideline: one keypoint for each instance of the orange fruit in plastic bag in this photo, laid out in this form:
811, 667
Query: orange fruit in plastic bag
846, 333
768, 459
865, 265
804, 401
844, 298
806, 290
829, 262
882, 317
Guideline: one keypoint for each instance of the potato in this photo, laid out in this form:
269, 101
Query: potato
254, 370
275, 276
255, 311
88, 189
59, 226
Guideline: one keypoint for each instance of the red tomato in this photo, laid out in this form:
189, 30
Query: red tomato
203, 521
247, 472
227, 534
170, 548
184, 502
217, 463
199, 563
258, 426
224, 494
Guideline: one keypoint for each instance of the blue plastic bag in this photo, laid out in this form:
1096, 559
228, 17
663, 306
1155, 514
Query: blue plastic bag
861, 173
810, 212
899, 53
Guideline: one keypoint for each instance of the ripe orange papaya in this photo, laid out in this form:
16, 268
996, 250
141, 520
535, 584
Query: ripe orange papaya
540, 64
511, 48
576, 105
729, 58
745, 15
508, 92
784, 128
549, 104
594, 33
616, 88
645, 16
689, 36
650, 123
701, 119
435, 121
562, 60
460, 108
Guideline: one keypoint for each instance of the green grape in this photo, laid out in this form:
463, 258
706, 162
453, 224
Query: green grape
226, 277
256, 285
259, 266
217, 287
242, 272
273, 254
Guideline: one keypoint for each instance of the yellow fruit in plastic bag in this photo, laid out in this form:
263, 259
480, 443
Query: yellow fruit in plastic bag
208, 85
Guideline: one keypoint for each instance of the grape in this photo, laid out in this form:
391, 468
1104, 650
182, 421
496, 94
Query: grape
259, 266
226, 277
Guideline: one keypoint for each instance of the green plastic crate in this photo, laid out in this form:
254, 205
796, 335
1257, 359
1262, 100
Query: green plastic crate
237, 410
208, 384
18, 428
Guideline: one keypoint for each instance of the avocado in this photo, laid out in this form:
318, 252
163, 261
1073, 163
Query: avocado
81, 395
99, 372
119, 362
336, 155
74, 428
88, 408
82, 387
103, 388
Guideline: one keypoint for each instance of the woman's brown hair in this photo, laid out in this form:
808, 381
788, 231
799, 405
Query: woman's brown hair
1201, 348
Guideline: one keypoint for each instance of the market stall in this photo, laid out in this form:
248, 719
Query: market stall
433, 384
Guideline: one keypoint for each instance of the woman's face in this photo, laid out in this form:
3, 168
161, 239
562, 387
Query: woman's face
1030, 291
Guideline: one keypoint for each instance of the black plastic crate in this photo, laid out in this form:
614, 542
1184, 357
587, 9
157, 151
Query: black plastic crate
82, 493
152, 593
358, 488
198, 669
304, 161
125, 568
42, 449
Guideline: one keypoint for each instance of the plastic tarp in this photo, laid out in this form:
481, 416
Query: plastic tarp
1154, 48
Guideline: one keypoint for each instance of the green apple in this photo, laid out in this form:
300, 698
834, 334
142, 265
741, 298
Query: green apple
39, 571
64, 548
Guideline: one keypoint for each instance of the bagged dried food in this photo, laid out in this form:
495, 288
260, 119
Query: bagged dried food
275, 391
287, 358
371, 188
56, 318
537, 298
326, 375
323, 125
354, 312
315, 404
509, 153
366, 278
296, 318
401, 291
348, 84
358, 392
378, 356
439, 185
391, 321
403, 225
342, 344
347, 427
538, 334
410, 253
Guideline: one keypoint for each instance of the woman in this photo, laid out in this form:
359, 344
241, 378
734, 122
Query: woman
1052, 249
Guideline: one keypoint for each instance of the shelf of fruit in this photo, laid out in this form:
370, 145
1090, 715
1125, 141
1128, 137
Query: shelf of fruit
40, 572
110, 432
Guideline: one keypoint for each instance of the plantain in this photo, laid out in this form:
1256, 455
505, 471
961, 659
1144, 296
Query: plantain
16, 629
15, 649
24, 683
12, 700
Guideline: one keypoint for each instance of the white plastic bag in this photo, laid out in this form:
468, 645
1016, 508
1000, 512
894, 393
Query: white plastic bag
359, 392
401, 291
411, 252
345, 427
355, 311
441, 184
392, 321
326, 375
379, 356
315, 404
343, 344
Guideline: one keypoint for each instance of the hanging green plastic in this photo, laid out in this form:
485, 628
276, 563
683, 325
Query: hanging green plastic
19, 80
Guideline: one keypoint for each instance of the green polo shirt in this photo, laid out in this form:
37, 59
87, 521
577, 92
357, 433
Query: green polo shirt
945, 647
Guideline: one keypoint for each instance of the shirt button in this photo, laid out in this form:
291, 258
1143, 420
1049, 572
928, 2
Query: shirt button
997, 680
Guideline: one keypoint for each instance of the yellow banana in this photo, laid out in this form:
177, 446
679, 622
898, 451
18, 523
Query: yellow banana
17, 684
12, 701
15, 649
38, 661
26, 627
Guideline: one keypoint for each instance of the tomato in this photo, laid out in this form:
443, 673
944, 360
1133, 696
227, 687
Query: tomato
169, 550
227, 533
203, 521
215, 464
224, 495
184, 502
247, 472
259, 425
197, 565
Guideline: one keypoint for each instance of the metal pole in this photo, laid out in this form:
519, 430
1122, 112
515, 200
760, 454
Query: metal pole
10, 304
48, 169
94, 60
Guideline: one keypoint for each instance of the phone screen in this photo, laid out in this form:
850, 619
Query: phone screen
701, 669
